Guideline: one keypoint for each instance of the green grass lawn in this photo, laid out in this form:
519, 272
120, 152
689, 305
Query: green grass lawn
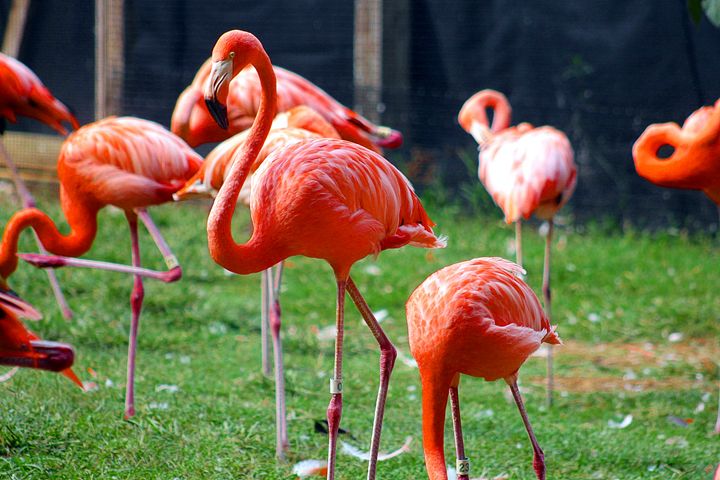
617, 300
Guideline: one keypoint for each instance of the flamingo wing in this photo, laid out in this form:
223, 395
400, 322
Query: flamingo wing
126, 162
529, 171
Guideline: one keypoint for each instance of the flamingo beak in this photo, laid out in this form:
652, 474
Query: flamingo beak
216, 91
52, 356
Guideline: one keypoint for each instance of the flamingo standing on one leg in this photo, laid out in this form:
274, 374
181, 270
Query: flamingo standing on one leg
126, 162
295, 125
192, 121
526, 170
476, 318
21, 348
694, 163
327, 198
23, 94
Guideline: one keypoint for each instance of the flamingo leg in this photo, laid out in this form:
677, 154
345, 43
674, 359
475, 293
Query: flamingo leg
173, 273
280, 380
547, 297
463, 465
538, 455
265, 295
717, 422
388, 354
334, 410
518, 243
28, 201
136, 300
280, 410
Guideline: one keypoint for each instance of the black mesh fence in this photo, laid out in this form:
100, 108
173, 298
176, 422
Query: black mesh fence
599, 70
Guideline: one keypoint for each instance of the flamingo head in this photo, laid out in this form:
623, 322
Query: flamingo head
233, 51
474, 111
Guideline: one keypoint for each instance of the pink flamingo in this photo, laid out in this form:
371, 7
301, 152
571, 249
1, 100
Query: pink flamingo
526, 170
23, 94
192, 121
322, 198
476, 318
126, 162
290, 127
694, 163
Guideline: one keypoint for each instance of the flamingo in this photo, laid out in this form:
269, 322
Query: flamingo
322, 198
21, 348
295, 125
476, 318
23, 94
694, 163
526, 170
126, 162
192, 121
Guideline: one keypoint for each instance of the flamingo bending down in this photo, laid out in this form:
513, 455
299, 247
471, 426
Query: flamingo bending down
192, 121
126, 162
23, 94
21, 348
295, 125
694, 163
526, 170
323, 198
476, 318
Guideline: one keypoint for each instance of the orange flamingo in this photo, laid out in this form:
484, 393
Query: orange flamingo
322, 198
694, 163
23, 94
192, 121
126, 162
526, 170
476, 318
21, 348
297, 124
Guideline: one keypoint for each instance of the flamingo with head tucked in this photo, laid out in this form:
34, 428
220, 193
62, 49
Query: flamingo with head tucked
321, 198
23, 94
476, 318
527, 171
192, 121
694, 163
126, 162
295, 125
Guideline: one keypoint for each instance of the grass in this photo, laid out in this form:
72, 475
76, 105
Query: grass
617, 300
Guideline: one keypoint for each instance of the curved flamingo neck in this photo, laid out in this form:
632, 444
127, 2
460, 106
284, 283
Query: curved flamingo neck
83, 227
248, 257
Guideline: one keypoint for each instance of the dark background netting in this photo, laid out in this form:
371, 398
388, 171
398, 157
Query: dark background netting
601, 71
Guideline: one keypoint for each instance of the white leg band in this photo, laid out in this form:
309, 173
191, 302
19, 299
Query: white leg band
336, 385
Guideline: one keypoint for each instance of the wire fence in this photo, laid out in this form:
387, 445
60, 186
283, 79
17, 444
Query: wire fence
600, 71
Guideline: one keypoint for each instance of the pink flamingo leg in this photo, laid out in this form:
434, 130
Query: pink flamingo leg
265, 298
280, 410
717, 422
462, 465
388, 354
55, 261
170, 260
173, 274
28, 201
136, 300
518, 243
334, 410
538, 455
547, 297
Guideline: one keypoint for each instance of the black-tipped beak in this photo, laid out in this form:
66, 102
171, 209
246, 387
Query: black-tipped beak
218, 112
53, 356
216, 91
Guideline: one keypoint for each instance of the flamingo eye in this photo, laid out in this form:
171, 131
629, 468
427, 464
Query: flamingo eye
232, 55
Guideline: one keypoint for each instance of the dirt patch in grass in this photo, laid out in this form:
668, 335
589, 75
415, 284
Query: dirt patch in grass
640, 366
